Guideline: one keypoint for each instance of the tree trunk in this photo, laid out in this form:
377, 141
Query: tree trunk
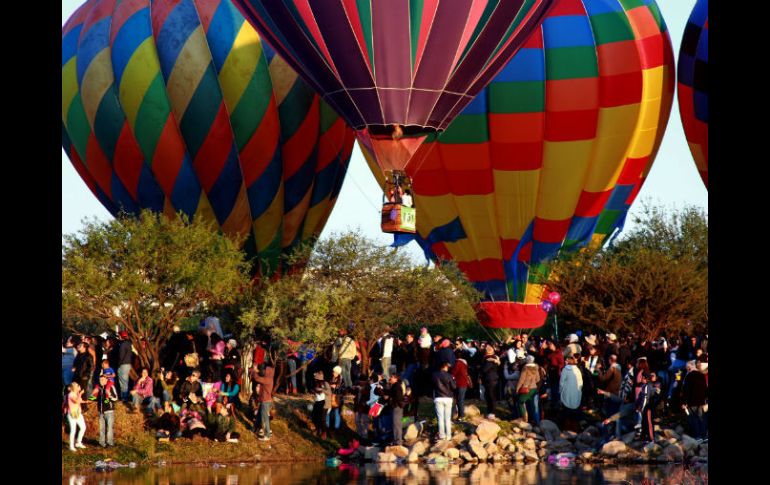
364, 347
247, 356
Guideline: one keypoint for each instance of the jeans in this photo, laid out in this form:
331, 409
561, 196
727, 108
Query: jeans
107, 419
152, 402
444, 415
385, 367
74, 423
66, 376
336, 413
123, 372
697, 422
264, 414
398, 425
292, 369
461, 402
166, 396
346, 364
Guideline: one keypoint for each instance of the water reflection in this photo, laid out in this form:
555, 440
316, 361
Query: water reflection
450, 474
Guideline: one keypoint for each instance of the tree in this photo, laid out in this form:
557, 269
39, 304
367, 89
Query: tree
652, 282
148, 273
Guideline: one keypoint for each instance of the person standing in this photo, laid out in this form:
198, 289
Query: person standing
346, 350
322, 403
570, 393
463, 380
490, 376
335, 383
265, 383
444, 387
396, 401
68, 354
124, 365
105, 396
527, 388
387, 353
694, 396
75, 415
83, 366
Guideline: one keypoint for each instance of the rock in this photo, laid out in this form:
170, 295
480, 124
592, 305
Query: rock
459, 438
560, 445
466, 456
518, 457
412, 432
531, 456
704, 450
585, 437
503, 442
487, 431
370, 453
653, 450
613, 447
593, 431
672, 453
542, 452
399, 451
413, 458
521, 424
442, 446
386, 458
534, 436
550, 429
672, 441
689, 443
670, 433
452, 453
679, 429
543, 444
581, 447
472, 411
628, 437
477, 450
586, 455
419, 448
568, 435
529, 444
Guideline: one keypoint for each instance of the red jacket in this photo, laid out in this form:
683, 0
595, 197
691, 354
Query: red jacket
460, 373
259, 355
556, 360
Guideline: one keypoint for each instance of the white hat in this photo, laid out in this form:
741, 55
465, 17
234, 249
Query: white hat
611, 337
104, 335
337, 369
176, 329
232, 343
591, 339
573, 338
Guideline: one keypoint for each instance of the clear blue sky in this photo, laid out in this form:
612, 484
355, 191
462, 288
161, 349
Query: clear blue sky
673, 180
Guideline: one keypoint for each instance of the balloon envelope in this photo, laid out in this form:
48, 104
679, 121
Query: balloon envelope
549, 156
692, 88
176, 105
379, 63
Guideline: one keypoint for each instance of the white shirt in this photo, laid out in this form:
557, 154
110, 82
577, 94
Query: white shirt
406, 200
571, 386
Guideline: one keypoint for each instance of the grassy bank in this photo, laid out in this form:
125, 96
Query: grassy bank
293, 440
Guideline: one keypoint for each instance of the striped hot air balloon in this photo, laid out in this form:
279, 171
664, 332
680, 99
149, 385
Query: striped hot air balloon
549, 156
396, 70
176, 105
692, 86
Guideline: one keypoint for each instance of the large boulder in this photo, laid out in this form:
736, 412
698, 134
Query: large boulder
419, 448
399, 451
503, 442
670, 433
472, 411
530, 456
550, 430
653, 450
413, 458
491, 448
613, 447
412, 432
386, 458
460, 438
370, 453
529, 444
628, 438
466, 456
477, 450
689, 443
672, 453
487, 431
452, 453
521, 424
442, 446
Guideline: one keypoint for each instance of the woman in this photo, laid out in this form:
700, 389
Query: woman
322, 404
336, 399
527, 388
222, 425
463, 379
142, 392
168, 424
229, 392
168, 380
490, 377
191, 417
216, 358
75, 415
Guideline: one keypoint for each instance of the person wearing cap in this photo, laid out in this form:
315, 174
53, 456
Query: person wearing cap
335, 383
124, 365
322, 397
573, 346
571, 393
490, 377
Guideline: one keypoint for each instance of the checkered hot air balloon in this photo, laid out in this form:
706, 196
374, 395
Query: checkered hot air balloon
176, 105
549, 156
692, 86
396, 70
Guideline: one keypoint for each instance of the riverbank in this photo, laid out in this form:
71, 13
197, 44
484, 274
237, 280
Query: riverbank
476, 440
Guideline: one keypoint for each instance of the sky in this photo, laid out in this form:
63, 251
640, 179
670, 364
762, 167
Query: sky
672, 182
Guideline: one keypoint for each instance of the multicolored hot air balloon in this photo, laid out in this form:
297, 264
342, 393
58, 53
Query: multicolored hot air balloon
176, 105
396, 70
692, 85
549, 156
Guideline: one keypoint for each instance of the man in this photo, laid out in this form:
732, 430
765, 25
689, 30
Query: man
444, 387
694, 396
609, 383
611, 348
554, 358
463, 380
190, 385
572, 346
68, 353
124, 364
571, 392
396, 401
265, 382
445, 354
386, 343
490, 376
105, 396
83, 366
345, 348
409, 355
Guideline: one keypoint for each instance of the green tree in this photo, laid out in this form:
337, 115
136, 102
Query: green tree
148, 273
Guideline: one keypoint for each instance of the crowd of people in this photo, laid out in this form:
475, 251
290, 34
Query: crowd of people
619, 384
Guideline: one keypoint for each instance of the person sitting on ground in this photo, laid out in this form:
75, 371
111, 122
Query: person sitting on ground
74, 413
222, 424
211, 393
229, 392
142, 393
168, 380
187, 386
191, 418
168, 424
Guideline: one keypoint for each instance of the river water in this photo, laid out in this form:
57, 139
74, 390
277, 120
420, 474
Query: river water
301, 473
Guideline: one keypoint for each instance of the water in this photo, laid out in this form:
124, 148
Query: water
301, 473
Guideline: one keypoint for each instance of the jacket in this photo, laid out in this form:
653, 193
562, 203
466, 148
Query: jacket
444, 384
124, 353
105, 397
610, 380
460, 374
571, 386
346, 348
186, 387
530, 377
144, 388
396, 395
694, 389
490, 374
265, 384
84, 365
445, 355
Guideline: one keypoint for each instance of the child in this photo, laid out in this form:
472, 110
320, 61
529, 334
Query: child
75, 415
105, 396
107, 370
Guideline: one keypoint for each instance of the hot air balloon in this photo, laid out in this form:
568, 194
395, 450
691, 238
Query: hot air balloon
176, 105
692, 86
549, 156
396, 70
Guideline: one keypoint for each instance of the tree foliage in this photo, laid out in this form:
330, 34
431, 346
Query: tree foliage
653, 282
147, 274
